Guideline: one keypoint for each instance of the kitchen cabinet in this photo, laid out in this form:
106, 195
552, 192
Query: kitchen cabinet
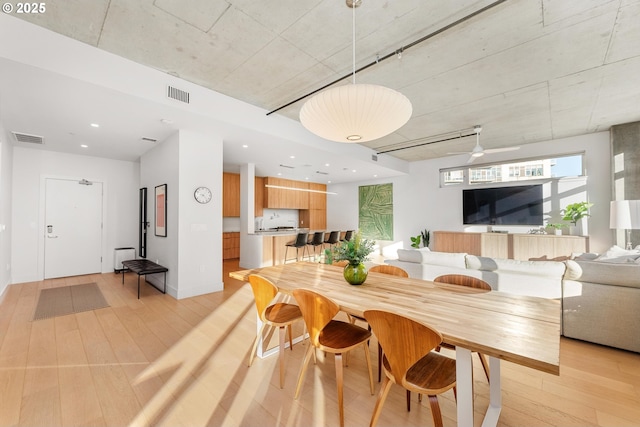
258, 196
315, 218
230, 245
230, 194
287, 196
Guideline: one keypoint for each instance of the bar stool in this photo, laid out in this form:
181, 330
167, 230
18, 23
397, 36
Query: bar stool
334, 237
317, 240
347, 235
300, 242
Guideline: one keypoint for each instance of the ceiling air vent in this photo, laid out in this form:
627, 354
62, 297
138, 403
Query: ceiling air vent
177, 94
322, 173
25, 137
144, 138
287, 166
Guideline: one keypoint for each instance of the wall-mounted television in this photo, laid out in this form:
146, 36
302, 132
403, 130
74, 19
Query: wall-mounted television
518, 205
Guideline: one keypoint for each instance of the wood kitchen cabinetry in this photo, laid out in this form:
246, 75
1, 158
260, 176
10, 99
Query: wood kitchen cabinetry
514, 246
287, 197
315, 218
258, 196
230, 194
230, 245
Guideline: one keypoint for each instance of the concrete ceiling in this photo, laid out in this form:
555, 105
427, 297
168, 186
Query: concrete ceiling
526, 70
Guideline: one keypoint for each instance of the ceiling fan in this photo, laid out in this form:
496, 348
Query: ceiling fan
478, 151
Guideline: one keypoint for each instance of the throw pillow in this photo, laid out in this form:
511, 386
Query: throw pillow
617, 255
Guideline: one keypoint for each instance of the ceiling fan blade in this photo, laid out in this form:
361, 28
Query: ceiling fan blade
458, 152
471, 159
500, 150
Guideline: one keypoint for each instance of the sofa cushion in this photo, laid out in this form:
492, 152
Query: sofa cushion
533, 278
627, 274
554, 269
412, 255
443, 259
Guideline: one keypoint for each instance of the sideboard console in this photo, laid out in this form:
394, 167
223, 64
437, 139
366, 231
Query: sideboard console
513, 246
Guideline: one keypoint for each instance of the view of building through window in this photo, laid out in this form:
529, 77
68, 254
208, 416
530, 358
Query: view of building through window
558, 167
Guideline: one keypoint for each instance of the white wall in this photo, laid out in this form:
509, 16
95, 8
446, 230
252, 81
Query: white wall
419, 202
6, 167
120, 211
192, 250
200, 245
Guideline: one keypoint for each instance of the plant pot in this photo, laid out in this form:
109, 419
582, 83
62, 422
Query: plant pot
355, 274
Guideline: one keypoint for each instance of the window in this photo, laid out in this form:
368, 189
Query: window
556, 167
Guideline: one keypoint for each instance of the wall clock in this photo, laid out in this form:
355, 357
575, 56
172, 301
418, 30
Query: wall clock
202, 195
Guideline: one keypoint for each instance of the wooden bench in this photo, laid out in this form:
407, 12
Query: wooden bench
142, 267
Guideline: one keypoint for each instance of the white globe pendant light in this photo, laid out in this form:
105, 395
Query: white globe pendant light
355, 112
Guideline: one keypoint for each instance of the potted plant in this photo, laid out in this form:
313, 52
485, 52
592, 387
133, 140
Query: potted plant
426, 238
356, 251
556, 227
415, 241
574, 212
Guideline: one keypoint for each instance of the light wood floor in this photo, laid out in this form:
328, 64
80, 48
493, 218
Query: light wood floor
158, 361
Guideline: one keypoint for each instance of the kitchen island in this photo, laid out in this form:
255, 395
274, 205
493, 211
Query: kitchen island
268, 246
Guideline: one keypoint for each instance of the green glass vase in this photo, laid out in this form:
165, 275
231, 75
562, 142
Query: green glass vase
355, 274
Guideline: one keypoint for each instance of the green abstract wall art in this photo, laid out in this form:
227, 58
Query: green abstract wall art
376, 211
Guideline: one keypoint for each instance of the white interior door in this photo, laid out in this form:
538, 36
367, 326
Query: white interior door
73, 228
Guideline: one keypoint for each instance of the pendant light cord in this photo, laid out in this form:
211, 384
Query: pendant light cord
353, 10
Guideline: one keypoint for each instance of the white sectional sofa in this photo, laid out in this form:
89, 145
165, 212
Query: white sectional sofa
534, 278
603, 306
600, 296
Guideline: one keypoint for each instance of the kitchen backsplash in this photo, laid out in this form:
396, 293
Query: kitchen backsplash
272, 218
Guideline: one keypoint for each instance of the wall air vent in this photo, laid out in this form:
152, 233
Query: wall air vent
288, 167
144, 138
177, 94
25, 137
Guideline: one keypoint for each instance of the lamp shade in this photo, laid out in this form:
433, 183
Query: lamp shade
625, 214
355, 112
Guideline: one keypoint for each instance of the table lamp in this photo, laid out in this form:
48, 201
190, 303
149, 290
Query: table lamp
625, 215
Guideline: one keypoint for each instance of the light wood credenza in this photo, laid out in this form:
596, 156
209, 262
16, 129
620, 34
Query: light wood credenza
513, 246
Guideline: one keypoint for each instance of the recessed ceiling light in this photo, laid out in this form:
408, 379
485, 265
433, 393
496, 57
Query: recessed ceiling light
245, 146
375, 175
279, 173
326, 164
95, 125
292, 157
353, 170
84, 145
307, 178
328, 182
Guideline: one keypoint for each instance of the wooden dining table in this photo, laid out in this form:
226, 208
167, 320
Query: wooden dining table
515, 328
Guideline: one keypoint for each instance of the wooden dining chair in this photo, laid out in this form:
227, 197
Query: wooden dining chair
280, 314
409, 362
394, 271
331, 336
470, 282
389, 269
